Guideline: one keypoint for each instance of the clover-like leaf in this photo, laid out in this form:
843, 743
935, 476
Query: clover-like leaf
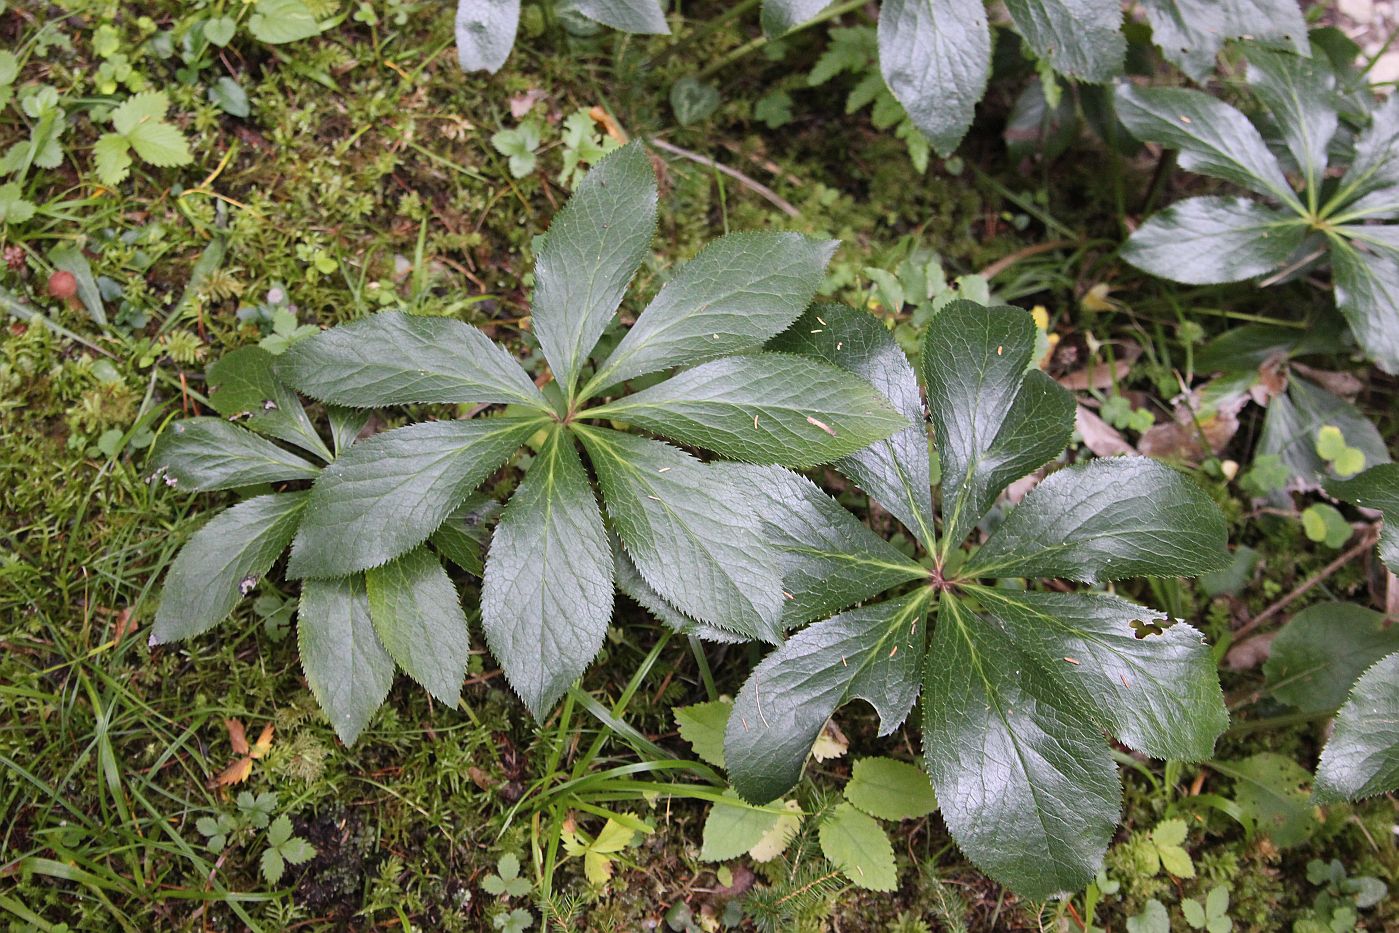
1362, 757
418, 617
1294, 418
346, 666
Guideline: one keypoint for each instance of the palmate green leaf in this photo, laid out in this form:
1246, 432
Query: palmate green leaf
390, 492
935, 56
1367, 293
782, 16
1027, 788
396, 359
485, 33
222, 562
418, 617
1148, 683
1107, 520
1293, 420
1376, 488
1322, 650
244, 388
1211, 240
1300, 93
546, 597
1214, 138
894, 471
741, 290
829, 559
1192, 32
764, 408
689, 532
890, 789
630, 581
205, 454
993, 421
593, 247
1080, 38
1362, 757
859, 847
642, 17
346, 666
872, 653
1370, 188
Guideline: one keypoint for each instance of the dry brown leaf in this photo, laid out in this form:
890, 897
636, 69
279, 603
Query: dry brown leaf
236, 736
610, 126
235, 773
1099, 436
1346, 385
263, 744
522, 104
1097, 374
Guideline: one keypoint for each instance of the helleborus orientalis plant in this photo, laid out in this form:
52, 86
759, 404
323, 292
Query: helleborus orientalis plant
1326, 194
1019, 683
384, 510
486, 28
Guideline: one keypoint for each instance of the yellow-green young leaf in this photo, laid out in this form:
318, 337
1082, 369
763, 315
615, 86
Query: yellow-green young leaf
244, 388
776, 839
140, 109
856, 844
419, 620
890, 789
702, 725
1362, 757
111, 155
1377, 488
346, 666
205, 454
160, 144
280, 21
1168, 837
1322, 650
1325, 525
732, 828
1293, 420
222, 562
1330, 442
485, 33
935, 56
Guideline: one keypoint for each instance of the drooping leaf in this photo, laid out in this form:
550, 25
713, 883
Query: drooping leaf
346, 666
1367, 293
592, 249
890, 790
1211, 240
1362, 756
1300, 94
1080, 38
485, 33
643, 17
397, 359
630, 582
1322, 650
935, 56
546, 597
1149, 684
1214, 138
1191, 32
871, 653
702, 725
1027, 788
1376, 488
829, 559
205, 454
859, 847
244, 388
689, 532
388, 493
764, 408
222, 562
1293, 420
894, 471
992, 420
463, 536
738, 292
419, 620
782, 16
1107, 520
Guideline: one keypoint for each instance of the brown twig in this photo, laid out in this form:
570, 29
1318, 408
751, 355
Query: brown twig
1367, 541
1034, 249
752, 184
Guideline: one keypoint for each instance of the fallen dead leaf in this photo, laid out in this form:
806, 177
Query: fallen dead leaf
1099, 436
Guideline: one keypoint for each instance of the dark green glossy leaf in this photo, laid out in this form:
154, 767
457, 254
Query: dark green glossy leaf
222, 562
635, 16
692, 534
346, 666
418, 617
1213, 138
739, 291
1107, 520
1300, 93
1148, 683
764, 408
390, 492
244, 388
397, 359
1367, 293
592, 249
1191, 32
1371, 186
630, 582
1210, 240
894, 471
1376, 488
485, 33
463, 536
782, 16
546, 597
345, 425
993, 420
209, 453
1362, 757
871, 653
1080, 38
1322, 650
1026, 787
935, 56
